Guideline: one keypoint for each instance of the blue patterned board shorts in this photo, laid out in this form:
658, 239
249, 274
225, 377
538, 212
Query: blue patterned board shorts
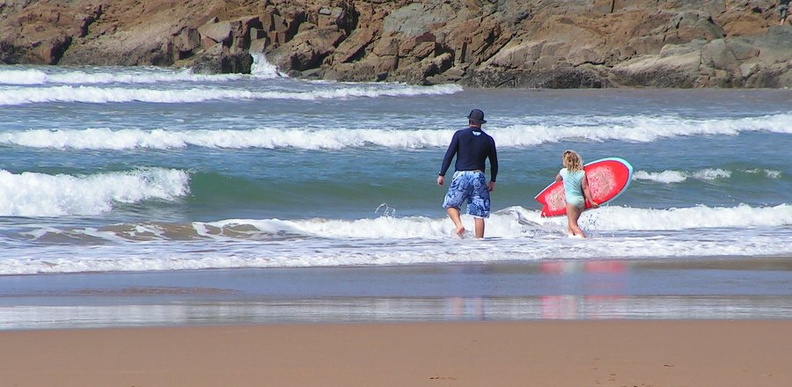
470, 186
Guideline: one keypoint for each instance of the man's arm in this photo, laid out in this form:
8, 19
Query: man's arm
449, 155
493, 160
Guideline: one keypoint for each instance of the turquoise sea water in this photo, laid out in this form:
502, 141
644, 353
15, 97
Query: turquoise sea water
167, 174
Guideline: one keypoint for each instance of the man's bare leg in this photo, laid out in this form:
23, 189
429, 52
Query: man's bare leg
479, 227
453, 213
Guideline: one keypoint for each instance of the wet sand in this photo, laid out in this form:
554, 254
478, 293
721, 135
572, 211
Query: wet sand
654, 353
658, 324
714, 289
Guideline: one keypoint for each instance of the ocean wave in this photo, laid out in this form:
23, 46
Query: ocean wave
127, 75
76, 77
313, 139
669, 177
44, 195
633, 129
513, 234
510, 223
519, 222
232, 139
709, 174
94, 94
612, 218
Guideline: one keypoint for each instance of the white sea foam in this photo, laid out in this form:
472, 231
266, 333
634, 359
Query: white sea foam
673, 176
234, 139
44, 195
513, 234
634, 129
669, 177
127, 75
337, 138
700, 217
95, 94
773, 174
519, 222
510, 223
263, 69
124, 85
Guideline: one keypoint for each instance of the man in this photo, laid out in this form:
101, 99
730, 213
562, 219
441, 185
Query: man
472, 148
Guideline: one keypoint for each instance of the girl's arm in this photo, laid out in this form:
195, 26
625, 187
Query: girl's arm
587, 192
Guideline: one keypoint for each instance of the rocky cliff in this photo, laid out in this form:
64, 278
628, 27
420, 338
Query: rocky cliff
484, 43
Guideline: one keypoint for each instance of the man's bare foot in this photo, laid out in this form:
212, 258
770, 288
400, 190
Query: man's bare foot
460, 231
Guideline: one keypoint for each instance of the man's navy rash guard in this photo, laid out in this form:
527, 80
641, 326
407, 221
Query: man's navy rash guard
469, 144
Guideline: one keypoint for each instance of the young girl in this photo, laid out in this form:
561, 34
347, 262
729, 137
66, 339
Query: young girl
576, 190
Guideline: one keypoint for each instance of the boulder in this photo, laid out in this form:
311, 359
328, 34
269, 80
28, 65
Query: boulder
675, 66
186, 41
727, 54
308, 49
219, 60
216, 32
50, 50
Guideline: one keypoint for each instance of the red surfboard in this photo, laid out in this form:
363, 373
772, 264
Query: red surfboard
607, 179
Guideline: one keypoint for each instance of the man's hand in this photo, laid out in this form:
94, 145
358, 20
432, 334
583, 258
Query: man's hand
440, 179
491, 186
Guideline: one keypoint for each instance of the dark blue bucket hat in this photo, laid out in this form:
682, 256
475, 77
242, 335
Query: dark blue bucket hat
477, 115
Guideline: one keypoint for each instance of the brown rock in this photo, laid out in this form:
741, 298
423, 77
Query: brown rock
353, 48
51, 50
386, 46
217, 32
308, 50
187, 40
504, 43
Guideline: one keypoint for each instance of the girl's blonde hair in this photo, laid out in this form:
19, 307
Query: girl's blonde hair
572, 161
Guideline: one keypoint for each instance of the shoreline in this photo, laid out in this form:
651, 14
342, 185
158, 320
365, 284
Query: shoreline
546, 353
738, 289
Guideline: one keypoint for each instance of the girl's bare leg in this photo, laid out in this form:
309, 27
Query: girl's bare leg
573, 214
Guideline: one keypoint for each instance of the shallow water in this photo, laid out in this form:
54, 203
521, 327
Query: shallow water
148, 170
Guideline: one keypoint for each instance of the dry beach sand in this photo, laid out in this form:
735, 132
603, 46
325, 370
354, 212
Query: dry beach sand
655, 353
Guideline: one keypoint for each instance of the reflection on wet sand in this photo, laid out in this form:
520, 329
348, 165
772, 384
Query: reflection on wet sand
571, 290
